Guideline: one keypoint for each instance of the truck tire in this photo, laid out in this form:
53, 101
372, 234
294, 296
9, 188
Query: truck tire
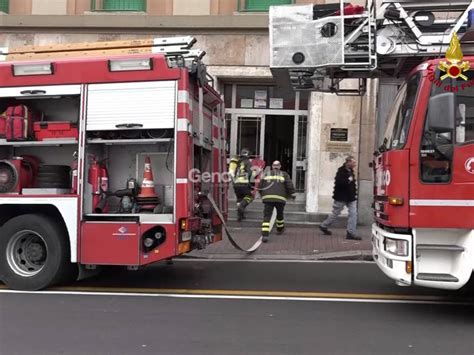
34, 253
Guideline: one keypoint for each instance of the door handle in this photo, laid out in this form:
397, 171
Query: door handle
129, 125
33, 92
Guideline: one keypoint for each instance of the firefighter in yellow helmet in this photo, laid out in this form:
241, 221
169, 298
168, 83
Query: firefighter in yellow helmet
276, 186
240, 169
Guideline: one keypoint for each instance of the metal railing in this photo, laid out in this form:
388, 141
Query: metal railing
118, 5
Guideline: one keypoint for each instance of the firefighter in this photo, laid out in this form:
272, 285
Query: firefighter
275, 187
240, 169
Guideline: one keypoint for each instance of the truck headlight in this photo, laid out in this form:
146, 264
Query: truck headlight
396, 246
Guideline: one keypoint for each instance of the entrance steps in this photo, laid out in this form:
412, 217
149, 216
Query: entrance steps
295, 214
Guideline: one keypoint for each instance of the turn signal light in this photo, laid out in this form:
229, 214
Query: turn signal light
408, 267
395, 201
183, 224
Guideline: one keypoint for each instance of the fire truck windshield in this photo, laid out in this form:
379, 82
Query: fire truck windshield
400, 115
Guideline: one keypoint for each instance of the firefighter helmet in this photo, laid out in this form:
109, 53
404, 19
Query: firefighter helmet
245, 153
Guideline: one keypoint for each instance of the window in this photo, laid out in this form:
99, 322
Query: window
400, 115
5, 6
265, 97
436, 152
248, 134
261, 5
118, 5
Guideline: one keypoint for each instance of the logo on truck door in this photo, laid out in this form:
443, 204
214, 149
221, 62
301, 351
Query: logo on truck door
454, 67
469, 165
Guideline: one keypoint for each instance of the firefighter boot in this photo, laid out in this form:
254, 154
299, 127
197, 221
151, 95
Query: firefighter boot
240, 212
280, 224
265, 231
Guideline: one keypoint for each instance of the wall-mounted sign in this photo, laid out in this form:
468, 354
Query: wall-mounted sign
339, 135
246, 103
260, 99
276, 103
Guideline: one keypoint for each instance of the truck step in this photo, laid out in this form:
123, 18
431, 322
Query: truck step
440, 247
437, 277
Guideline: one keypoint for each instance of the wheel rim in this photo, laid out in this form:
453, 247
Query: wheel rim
27, 253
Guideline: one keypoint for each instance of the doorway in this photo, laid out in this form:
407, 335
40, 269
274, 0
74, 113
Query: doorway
278, 143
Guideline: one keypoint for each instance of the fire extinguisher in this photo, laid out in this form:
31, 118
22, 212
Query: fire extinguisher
99, 179
74, 170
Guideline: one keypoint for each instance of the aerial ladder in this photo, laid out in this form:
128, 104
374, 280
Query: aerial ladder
315, 47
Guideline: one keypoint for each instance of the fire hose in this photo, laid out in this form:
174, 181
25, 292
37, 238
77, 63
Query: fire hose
256, 245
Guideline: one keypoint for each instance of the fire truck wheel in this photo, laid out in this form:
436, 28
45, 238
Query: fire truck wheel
34, 253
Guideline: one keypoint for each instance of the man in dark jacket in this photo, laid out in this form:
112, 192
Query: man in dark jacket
345, 194
276, 186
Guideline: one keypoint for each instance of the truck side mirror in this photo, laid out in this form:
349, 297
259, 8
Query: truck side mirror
442, 112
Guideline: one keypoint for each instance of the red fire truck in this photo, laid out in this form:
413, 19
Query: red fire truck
424, 168
97, 142
424, 175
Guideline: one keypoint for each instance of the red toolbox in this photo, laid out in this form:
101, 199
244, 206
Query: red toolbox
55, 130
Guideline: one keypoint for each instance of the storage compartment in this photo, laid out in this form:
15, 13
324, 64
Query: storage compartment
125, 164
131, 106
110, 243
42, 167
39, 170
47, 104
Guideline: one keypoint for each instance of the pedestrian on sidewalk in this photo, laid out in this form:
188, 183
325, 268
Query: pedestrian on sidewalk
345, 194
240, 168
275, 187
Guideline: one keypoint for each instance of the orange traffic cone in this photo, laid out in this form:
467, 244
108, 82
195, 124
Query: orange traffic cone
147, 199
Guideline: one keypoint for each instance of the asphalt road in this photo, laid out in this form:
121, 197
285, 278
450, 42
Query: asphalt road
196, 307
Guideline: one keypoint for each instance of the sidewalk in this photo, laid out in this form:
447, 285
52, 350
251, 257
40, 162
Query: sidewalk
298, 243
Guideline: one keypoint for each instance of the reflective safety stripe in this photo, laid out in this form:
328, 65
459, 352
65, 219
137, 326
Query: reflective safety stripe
274, 178
265, 229
242, 180
280, 223
280, 220
266, 224
267, 197
248, 199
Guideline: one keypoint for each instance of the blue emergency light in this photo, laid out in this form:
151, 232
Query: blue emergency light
470, 18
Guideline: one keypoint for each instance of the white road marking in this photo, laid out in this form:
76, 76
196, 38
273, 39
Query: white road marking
237, 297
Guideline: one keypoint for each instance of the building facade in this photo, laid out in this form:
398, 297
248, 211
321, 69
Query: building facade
310, 133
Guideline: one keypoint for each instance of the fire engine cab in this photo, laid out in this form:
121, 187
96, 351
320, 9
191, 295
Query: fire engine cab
97, 142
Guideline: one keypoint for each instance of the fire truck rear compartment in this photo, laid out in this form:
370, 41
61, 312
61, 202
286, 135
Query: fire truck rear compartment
125, 161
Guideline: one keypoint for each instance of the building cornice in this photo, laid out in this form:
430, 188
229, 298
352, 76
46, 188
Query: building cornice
243, 22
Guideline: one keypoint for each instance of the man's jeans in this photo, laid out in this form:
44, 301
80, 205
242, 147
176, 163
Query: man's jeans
336, 211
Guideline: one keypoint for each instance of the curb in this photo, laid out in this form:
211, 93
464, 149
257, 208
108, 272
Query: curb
363, 255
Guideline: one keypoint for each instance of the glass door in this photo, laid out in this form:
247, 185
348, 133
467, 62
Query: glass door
300, 157
249, 135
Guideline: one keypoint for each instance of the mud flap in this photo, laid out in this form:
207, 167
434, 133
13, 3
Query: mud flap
229, 236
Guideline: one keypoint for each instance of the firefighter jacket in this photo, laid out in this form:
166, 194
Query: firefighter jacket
345, 188
276, 186
241, 170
